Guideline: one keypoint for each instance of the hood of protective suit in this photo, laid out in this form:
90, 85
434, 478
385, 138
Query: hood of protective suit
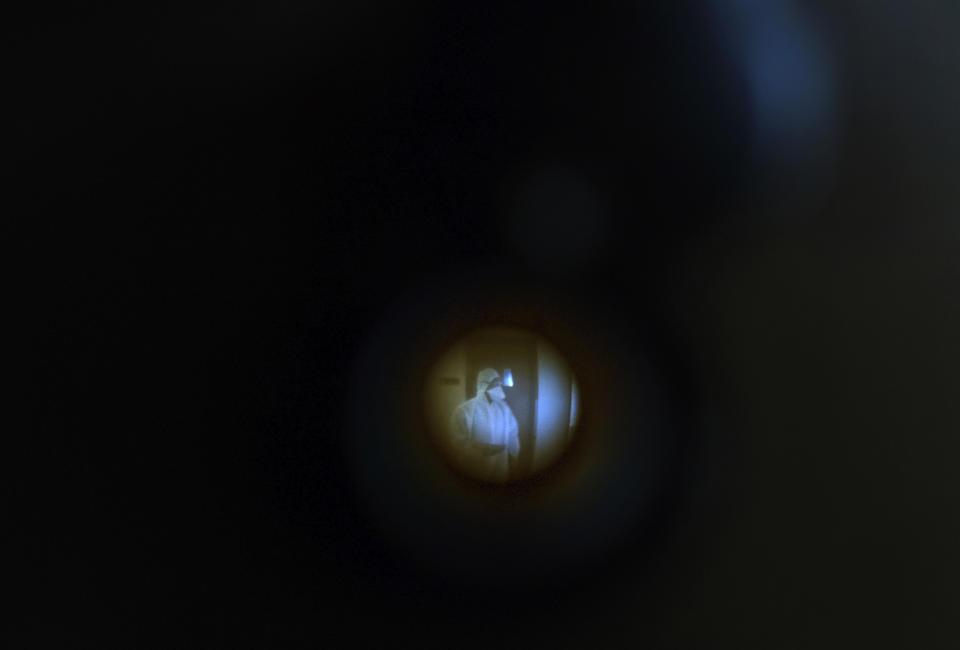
484, 378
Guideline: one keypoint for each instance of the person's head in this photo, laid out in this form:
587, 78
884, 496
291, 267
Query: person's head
490, 384
495, 390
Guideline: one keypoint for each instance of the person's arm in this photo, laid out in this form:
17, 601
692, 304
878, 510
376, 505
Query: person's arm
487, 449
463, 439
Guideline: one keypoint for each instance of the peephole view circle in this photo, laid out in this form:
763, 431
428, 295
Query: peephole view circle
502, 404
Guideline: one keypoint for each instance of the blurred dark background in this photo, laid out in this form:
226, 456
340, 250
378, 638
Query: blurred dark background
220, 203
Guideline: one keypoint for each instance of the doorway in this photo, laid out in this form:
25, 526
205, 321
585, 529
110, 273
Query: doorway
502, 349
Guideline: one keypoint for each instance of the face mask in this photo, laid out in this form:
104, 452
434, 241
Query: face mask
497, 393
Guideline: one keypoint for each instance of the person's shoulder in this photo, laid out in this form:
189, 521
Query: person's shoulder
465, 405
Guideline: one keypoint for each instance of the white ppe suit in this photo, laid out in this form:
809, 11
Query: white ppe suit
484, 431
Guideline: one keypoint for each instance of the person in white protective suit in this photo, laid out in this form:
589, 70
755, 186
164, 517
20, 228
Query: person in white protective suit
484, 430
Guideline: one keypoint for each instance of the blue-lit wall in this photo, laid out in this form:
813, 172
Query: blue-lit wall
553, 405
